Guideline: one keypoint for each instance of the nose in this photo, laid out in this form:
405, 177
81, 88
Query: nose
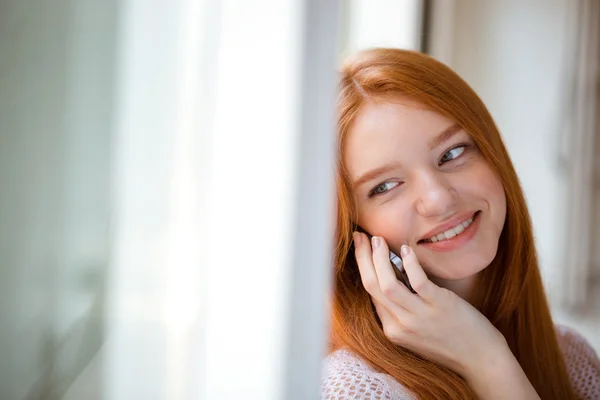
435, 195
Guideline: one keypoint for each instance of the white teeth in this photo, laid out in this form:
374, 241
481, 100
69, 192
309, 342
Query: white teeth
450, 233
459, 228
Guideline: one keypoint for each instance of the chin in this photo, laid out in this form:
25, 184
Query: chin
459, 266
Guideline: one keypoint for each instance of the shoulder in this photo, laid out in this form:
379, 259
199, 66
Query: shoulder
582, 362
346, 376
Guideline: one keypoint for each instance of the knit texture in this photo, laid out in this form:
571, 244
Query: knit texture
346, 376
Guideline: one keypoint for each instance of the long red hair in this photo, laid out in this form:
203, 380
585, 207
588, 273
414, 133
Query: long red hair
511, 294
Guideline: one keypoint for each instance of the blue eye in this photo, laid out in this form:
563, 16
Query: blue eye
382, 188
452, 154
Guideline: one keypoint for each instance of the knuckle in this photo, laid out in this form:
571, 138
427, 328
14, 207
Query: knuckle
370, 285
409, 326
389, 290
393, 334
419, 285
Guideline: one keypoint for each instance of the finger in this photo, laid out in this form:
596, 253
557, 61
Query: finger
417, 277
390, 286
368, 275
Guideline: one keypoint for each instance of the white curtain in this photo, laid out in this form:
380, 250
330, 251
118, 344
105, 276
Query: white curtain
167, 198
56, 90
223, 200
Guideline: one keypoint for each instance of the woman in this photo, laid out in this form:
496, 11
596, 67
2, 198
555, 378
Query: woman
422, 167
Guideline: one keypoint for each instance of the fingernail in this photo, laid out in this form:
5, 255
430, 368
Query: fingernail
405, 250
356, 237
376, 242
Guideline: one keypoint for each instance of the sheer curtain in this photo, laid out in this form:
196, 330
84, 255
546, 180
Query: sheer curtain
167, 198
56, 90
223, 200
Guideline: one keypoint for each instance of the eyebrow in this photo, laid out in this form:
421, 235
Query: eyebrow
374, 173
445, 135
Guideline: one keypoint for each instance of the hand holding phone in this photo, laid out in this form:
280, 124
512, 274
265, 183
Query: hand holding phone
433, 322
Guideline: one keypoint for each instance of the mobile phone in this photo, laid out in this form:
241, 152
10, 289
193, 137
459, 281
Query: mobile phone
400, 271
398, 265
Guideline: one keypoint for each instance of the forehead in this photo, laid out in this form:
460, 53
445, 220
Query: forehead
384, 132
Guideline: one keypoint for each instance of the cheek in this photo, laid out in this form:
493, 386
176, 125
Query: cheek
494, 188
492, 191
391, 220
484, 182
499, 202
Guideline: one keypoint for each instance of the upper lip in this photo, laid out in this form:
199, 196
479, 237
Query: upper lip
451, 223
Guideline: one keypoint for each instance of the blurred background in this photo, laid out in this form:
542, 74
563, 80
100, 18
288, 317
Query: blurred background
165, 179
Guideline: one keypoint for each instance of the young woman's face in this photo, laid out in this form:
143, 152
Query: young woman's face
419, 179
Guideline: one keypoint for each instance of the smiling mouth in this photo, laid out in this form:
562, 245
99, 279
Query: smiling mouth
452, 232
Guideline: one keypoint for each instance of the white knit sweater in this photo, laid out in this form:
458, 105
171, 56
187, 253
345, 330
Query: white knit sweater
347, 376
